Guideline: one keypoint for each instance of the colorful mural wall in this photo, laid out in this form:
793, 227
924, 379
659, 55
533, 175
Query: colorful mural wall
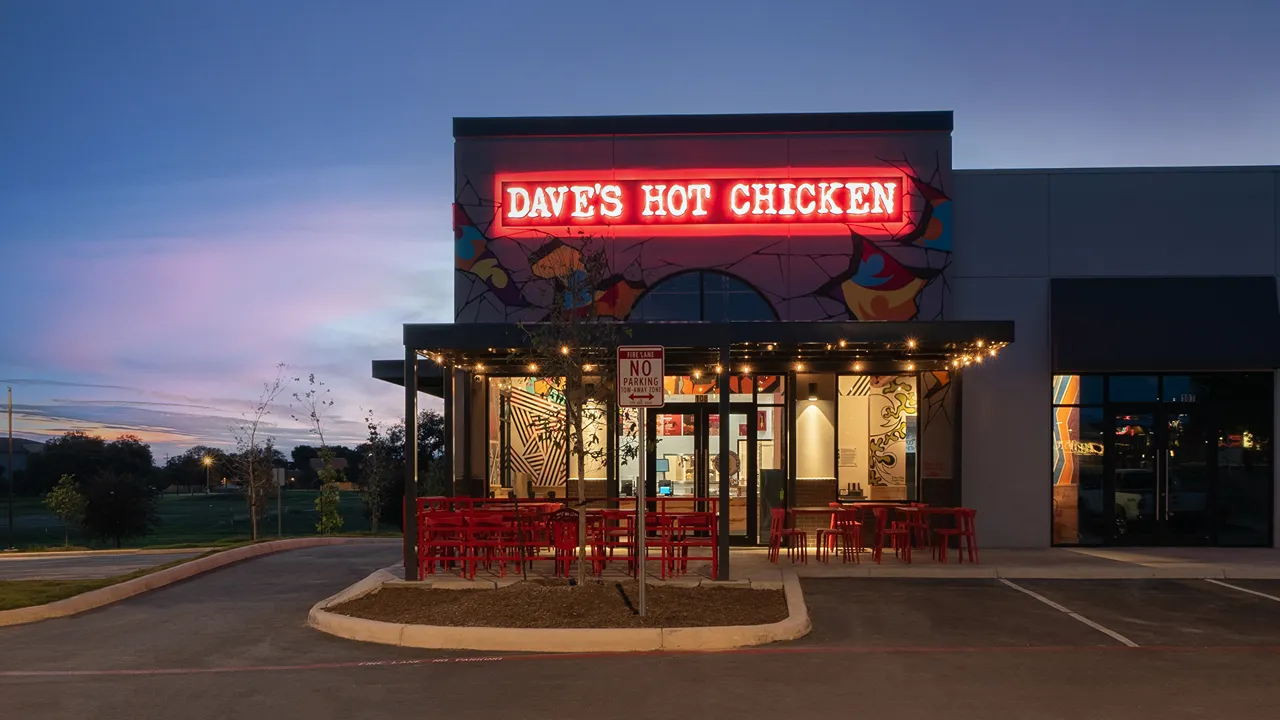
845, 270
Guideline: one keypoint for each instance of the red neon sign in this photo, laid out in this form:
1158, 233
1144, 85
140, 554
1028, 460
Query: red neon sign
712, 201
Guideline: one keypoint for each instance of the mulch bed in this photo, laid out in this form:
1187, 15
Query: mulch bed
558, 605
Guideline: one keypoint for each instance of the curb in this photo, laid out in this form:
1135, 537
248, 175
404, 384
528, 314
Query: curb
14, 556
1011, 572
114, 593
565, 640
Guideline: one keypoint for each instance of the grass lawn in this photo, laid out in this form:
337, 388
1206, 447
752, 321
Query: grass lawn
199, 520
24, 593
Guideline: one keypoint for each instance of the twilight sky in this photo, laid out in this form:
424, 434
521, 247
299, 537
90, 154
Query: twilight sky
192, 192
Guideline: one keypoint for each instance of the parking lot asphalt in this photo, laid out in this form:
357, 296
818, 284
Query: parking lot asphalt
234, 643
83, 567
1196, 613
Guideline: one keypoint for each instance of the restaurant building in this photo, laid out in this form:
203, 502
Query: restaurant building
839, 309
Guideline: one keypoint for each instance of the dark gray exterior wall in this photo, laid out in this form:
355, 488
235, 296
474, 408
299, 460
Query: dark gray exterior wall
1016, 229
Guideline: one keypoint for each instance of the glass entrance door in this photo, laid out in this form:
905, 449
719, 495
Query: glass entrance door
685, 459
1157, 492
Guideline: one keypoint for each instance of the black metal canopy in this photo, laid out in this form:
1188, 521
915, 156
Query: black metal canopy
770, 347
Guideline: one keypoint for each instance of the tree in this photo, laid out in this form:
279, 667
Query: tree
74, 453
128, 455
572, 348
190, 468
375, 471
302, 456
314, 404
82, 455
256, 456
67, 502
119, 506
431, 474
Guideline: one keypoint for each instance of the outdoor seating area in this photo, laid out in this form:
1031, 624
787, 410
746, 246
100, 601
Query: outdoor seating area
869, 528
463, 535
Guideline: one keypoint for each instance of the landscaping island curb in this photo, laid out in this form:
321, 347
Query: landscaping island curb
114, 593
565, 640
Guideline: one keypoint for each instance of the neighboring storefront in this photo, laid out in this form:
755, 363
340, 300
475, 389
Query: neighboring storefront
826, 343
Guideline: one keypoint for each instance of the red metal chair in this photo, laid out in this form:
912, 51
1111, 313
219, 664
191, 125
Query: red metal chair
966, 533
488, 538
845, 532
441, 536
696, 531
897, 534
778, 531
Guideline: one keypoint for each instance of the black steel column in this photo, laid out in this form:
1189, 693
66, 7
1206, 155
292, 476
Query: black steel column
446, 374
723, 550
467, 406
410, 464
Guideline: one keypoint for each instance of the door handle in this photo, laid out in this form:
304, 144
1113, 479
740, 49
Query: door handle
1164, 489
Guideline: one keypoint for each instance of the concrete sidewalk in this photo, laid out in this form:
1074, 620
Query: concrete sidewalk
1045, 563
751, 565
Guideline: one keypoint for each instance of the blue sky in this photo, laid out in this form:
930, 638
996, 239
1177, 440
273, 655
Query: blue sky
192, 192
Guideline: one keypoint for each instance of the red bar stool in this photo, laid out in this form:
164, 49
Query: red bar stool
778, 531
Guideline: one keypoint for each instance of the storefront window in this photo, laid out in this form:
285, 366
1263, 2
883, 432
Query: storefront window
1243, 491
876, 453
1134, 388
1077, 389
529, 456
1079, 446
1173, 459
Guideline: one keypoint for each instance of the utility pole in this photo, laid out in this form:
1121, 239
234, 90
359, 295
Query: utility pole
9, 468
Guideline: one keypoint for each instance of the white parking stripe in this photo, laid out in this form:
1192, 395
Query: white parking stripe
1073, 615
1243, 589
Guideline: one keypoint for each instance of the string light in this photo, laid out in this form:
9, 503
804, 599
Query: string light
533, 367
842, 343
769, 347
800, 366
857, 367
718, 368
588, 368
979, 343
564, 349
911, 367
977, 359
911, 343
439, 359
746, 369
697, 374
828, 346
479, 367
993, 352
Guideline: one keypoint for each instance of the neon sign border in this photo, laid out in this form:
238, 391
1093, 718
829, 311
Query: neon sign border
909, 199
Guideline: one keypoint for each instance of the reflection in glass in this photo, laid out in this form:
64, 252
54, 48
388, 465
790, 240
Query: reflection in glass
1078, 464
1243, 492
1134, 388
1134, 477
1186, 476
1077, 389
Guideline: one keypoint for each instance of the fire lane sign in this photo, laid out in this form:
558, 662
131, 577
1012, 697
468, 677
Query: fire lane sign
640, 370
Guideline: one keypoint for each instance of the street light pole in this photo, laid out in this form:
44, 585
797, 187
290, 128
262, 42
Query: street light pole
9, 468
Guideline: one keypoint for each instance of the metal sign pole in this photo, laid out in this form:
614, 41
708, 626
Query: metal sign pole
640, 527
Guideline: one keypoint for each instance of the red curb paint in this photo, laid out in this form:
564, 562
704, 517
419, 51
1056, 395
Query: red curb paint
850, 650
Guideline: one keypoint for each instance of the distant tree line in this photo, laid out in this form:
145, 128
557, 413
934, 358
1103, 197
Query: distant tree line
110, 489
